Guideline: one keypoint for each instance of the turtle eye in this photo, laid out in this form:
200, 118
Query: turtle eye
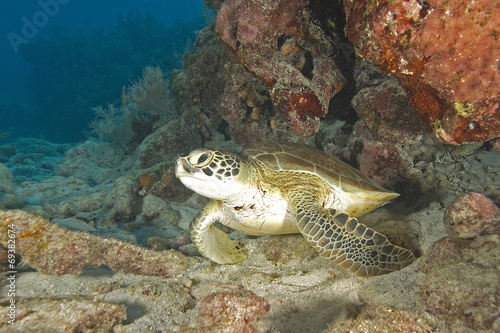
200, 158
203, 157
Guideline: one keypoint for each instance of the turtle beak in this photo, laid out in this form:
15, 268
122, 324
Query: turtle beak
183, 168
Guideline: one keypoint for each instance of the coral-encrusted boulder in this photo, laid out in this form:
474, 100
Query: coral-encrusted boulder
472, 215
220, 96
461, 282
231, 311
445, 54
167, 143
386, 163
387, 113
279, 43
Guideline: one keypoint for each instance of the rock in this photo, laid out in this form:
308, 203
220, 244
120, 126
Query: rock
223, 99
167, 143
281, 45
495, 143
121, 204
161, 182
432, 47
63, 315
384, 162
152, 206
94, 161
10, 201
230, 311
6, 183
387, 113
461, 281
57, 251
472, 215
73, 224
284, 248
6, 152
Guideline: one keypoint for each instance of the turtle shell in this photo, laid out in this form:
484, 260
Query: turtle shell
339, 175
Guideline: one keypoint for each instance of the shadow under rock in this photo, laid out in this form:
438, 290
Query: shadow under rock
100, 271
135, 310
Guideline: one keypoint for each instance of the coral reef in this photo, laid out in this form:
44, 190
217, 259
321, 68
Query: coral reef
53, 250
232, 310
461, 282
218, 94
63, 315
151, 93
111, 124
99, 183
152, 104
472, 215
445, 55
385, 163
280, 44
199, 86
269, 75
32, 159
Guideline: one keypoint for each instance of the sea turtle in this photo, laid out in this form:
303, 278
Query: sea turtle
283, 188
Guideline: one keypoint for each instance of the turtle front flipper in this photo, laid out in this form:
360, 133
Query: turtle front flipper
212, 242
345, 241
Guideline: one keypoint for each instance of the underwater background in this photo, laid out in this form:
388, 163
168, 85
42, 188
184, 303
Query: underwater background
60, 59
99, 99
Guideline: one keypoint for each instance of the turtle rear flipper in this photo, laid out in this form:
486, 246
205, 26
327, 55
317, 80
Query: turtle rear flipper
351, 244
212, 242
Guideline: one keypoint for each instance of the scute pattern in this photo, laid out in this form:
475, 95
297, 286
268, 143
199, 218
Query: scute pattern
352, 245
295, 157
226, 167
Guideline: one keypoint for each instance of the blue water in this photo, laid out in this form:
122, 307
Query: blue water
60, 58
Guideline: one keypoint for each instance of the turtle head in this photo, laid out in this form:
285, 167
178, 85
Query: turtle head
211, 173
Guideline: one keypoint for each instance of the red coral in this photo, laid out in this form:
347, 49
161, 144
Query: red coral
302, 110
458, 39
445, 54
